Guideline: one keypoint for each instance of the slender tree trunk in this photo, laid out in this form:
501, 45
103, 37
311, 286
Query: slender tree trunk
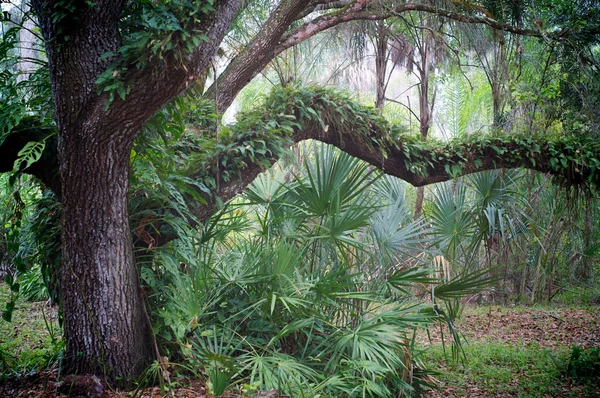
419, 202
424, 111
523, 281
28, 44
381, 48
585, 270
106, 330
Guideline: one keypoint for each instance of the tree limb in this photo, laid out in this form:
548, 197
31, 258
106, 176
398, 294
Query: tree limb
256, 55
361, 11
336, 120
322, 6
260, 52
156, 85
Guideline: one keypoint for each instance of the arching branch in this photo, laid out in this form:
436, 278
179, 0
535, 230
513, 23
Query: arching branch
272, 41
292, 115
362, 11
256, 55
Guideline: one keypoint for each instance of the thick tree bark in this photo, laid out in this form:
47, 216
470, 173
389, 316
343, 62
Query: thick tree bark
106, 329
105, 326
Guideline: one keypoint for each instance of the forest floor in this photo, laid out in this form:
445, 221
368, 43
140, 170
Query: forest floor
518, 352
508, 352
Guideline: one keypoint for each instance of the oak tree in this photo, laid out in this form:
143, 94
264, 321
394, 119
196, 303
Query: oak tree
113, 64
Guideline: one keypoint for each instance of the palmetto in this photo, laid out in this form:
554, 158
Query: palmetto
316, 286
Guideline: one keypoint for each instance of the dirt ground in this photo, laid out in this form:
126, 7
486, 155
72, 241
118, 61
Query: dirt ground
548, 328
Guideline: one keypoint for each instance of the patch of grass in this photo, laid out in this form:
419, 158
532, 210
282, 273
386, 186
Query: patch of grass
32, 340
584, 365
525, 370
522, 370
578, 297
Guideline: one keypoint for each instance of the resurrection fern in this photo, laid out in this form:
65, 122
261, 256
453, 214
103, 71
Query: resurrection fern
190, 167
153, 30
292, 109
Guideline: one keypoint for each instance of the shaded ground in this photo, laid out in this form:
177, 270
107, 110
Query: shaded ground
499, 330
550, 328
519, 352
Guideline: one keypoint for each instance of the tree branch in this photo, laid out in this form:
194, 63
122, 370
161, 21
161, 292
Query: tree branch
272, 39
323, 6
292, 115
255, 56
156, 85
361, 11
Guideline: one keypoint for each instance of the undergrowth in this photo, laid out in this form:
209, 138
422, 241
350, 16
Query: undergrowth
31, 341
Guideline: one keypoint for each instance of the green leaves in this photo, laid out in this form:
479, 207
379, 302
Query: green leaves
319, 265
152, 30
310, 286
31, 153
465, 285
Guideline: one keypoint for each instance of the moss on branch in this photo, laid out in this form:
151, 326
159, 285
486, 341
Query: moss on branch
219, 164
295, 113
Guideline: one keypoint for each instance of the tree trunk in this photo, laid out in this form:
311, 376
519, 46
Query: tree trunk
425, 109
419, 202
106, 330
381, 58
585, 269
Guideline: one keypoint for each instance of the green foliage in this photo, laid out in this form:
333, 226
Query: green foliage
30, 241
294, 288
465, 107
153, 30
288, 109
24, 103
584, 364
260, 136
579, 296
482, 209
522, 369
26, 111
32, 341
40, 250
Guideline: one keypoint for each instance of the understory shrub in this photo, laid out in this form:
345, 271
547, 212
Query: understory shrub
314, 283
